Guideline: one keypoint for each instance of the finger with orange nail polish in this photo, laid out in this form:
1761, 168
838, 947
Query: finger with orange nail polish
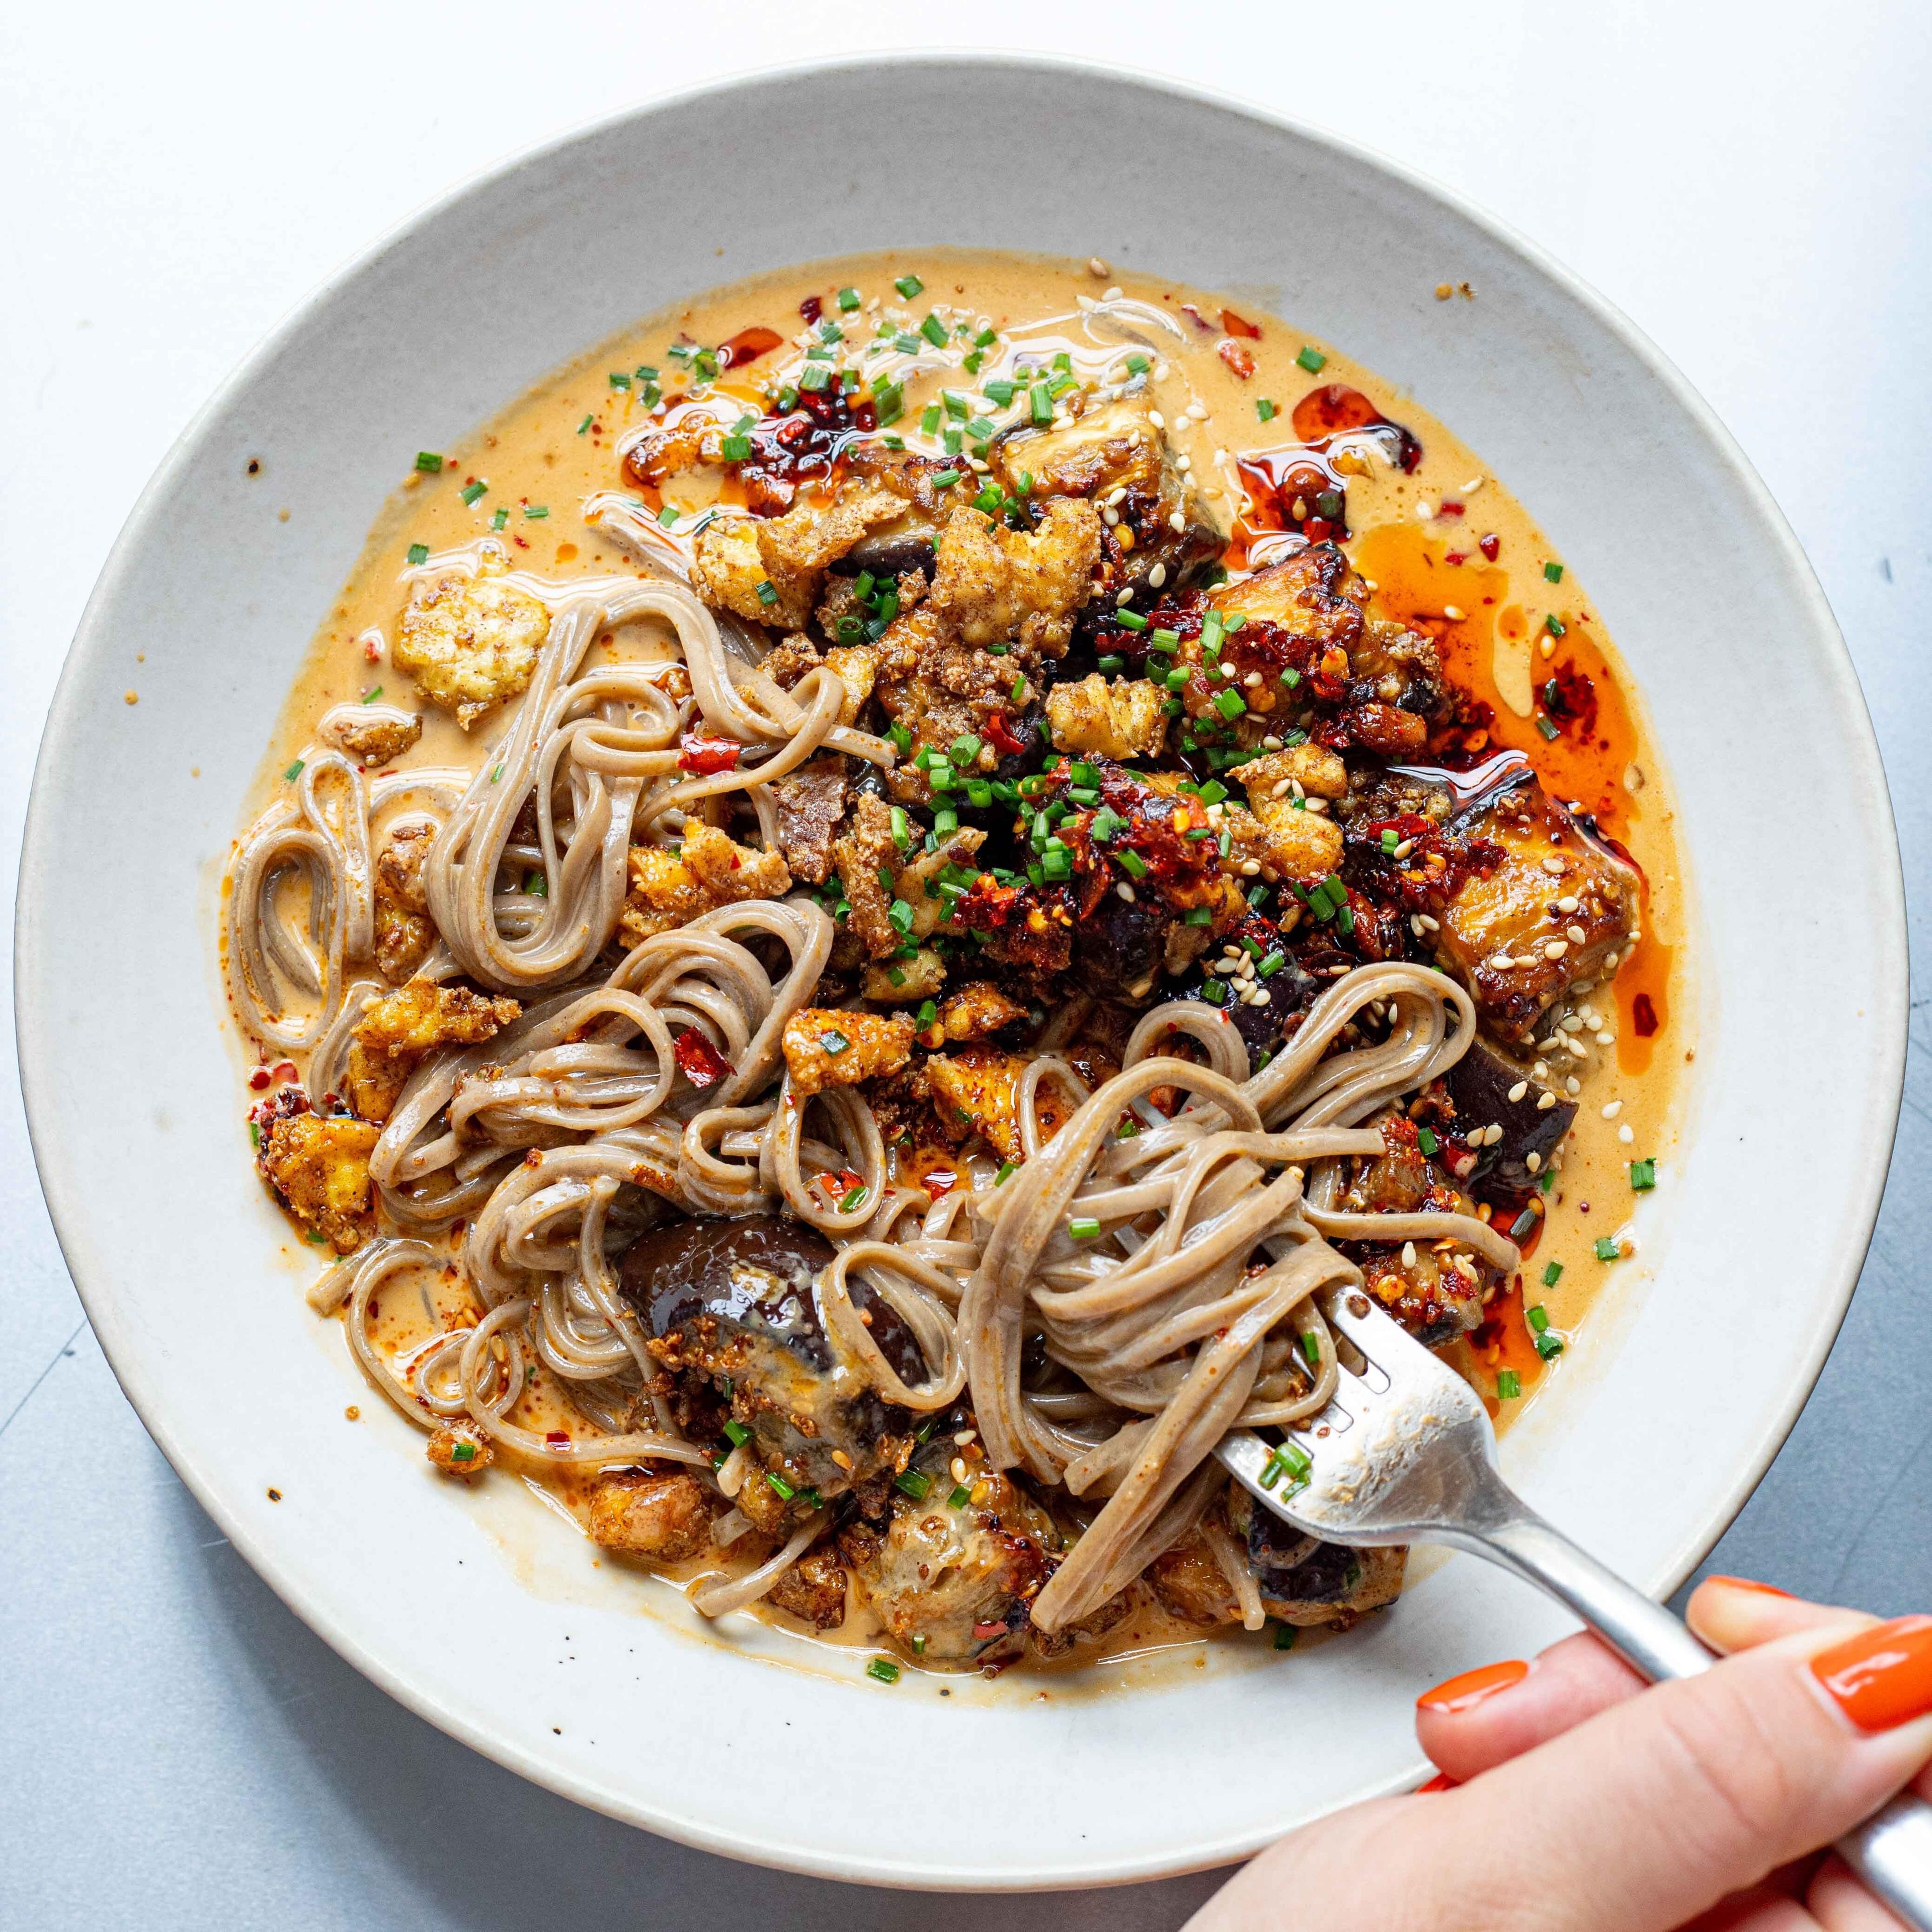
1882, 1677
1473, 1687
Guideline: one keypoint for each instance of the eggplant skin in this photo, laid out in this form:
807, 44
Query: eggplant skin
1305, 1581
729, 1308
1481, 1084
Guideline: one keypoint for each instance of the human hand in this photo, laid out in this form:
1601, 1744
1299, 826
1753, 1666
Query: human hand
1583, 1801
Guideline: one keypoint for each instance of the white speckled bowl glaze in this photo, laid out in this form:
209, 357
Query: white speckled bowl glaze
486, 1613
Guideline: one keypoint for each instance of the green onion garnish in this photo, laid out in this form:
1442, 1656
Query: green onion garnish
586, 424
1264, 408
1552, 1275
1538, 1317
1311, 1347
1425, 1139
418, 554
1083, 1228
429, 462
1285, 1635
857, 1194
833, 1041
736, 1434
961, 1496
914, 1483
1007, 1170
1642, 1176
471, 491
294, 772
1509, 1385
783, 1489
535, 885
1607, 1250
884, 1669
1553, 572
768, 592
1311, 359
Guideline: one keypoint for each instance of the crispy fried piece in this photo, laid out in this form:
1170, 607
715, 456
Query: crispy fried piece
378, 741
1121, 720
857, 666
669, 889
1190, 1584
813, 1588
993, 585
657, 1519
470, 642
1315, 595
1299, 844
811, 804
1512, 914
826, 1047
980, 1084
786, 662
916, 880
320, 1167
1318, 772
397, 1030
458, 1449
404, 933
859, 856
1112, 448
977, 1012
903, 982
769, 570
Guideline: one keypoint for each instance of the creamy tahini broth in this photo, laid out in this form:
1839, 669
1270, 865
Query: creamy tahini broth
1449, 550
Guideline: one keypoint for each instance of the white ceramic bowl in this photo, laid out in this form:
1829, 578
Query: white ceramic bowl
486, 1614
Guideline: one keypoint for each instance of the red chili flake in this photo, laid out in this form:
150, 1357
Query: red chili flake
557, 1439
372, 651
1643, 1016
703, 1064
1235, 325
1449, 509
1238, 358
285, 1070
1489, 545
1315, 528
1456, 556
747, 346
811, 308
1199, 320
989, 1629
259, 1079
705, 756
1001, 733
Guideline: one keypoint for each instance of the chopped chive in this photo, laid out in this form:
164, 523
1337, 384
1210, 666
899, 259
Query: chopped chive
934, 330
768, 592
858, 1194
914, 1483
429, 462
1285, 1635
1554, 625
1546, 725
1549, 1346
1642, 1176
1425, 1140
1553, 572
1311, 359
473, 491
1607, 1250
1311, 1347
464, 1452
815, 379
370, 696
909, 286
1130, 620
1137, 364
1552, 1275
833, 1041
961, 1496
498, 518
1199, 916
496, 776
668, 515
946, 479
1040, 399
1523, 1222
536, 512
782, 1488
1083, 1228
1230, 703
1131, 864
418, 554
619, 380
536, 885
294, 772
586, 424
736, 1434
1538, 1317
884, 1669
1509, 1385
1264, 408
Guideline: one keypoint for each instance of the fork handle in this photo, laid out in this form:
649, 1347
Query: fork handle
1891, 1851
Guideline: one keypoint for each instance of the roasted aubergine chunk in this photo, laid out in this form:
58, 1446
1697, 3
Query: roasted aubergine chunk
729, 1306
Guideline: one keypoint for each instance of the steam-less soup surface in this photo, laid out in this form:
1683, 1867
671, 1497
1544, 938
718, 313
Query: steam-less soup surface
870, 895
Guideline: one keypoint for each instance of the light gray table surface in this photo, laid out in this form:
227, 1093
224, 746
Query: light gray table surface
1754, 187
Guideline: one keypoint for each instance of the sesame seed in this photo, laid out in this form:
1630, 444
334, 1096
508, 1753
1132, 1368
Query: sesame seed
1271, 743
1430, 924
1624, 1135
1113, 294
1424, 510
1572, 1086
1567, 903
1253, 679
957, 1467
1126, 598
1540, 1071
1548, 646
1577, 1048
1609, 962
1556, 948
1176, 521
1554, 866
1097, 268
965, 1436
1158, 575
1115, 498
1183, 464
1402, 850
1611, 1109
1249, 867
1544, 1102
1605, 1038
1470, 488
1516, 1092
1533, 1161
1501, 961
1453, 612
1155, 417
1408, 1254
1125, 891
1576, 934
1111, 517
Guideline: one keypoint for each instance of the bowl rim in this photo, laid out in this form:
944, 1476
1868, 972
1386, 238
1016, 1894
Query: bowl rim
64, 1191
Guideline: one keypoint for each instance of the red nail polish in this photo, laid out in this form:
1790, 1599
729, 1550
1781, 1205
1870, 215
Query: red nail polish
1441, 1781
1748, 1583
1882, 1677
1465, 1692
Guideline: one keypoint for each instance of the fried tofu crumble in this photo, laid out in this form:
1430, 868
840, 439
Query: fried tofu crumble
470, 641
825, 1048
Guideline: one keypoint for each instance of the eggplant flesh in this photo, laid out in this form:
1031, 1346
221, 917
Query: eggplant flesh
732, 1300
1481, 1084
1305, 1581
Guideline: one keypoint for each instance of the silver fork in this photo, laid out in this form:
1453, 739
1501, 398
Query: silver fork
1404, 1453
